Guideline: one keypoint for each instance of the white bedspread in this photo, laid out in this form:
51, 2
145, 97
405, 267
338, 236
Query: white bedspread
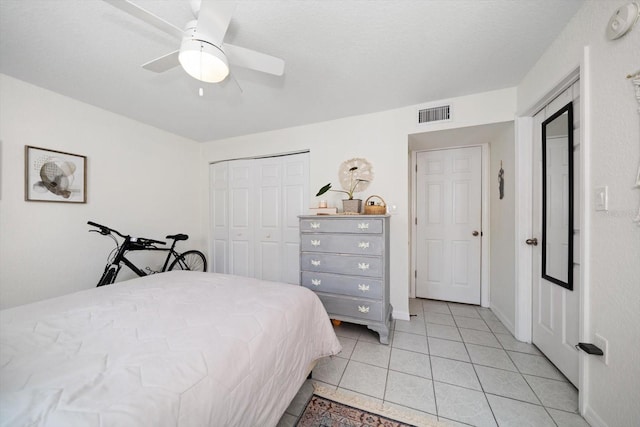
178, 348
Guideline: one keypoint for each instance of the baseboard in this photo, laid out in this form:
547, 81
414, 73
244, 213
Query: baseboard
508, 324
401, 315
593, 418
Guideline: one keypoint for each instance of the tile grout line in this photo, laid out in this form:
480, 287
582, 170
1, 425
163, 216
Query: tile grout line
503, 347
525, 380
433, 380
484, 393
523, 377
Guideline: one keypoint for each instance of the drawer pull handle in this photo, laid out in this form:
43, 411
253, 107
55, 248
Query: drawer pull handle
315, 225
363, 245
363, 226
316, 282
363, 287
315, 262
363, 266
315, 243
363, 308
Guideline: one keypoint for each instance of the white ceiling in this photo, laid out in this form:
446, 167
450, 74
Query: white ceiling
343, 57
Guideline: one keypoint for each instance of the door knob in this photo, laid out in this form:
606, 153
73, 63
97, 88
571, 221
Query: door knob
533, 242
475, 233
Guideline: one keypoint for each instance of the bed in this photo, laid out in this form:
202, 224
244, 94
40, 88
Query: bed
172, 349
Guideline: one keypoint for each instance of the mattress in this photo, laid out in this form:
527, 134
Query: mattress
172, 349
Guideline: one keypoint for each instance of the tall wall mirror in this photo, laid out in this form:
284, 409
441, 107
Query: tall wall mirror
557, 197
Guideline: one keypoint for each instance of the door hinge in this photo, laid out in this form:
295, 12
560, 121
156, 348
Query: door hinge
415, 274
416, 168
416, 221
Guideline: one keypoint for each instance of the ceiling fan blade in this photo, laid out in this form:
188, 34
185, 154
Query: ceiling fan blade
247, 58
146, 16
164, 63
214, 18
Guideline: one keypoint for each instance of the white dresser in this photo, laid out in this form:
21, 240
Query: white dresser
345, 260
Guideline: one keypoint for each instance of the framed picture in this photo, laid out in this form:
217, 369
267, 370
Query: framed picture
54, 176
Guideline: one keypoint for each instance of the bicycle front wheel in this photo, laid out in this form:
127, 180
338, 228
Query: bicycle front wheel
190, 260
109, 276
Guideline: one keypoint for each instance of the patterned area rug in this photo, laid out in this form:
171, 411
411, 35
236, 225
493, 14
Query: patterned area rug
322, 412
328, 408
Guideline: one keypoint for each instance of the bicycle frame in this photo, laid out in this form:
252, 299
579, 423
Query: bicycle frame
129, 244
120, 257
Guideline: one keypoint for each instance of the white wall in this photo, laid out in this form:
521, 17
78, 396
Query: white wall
140, 180
381, 138
612, 241
502, 275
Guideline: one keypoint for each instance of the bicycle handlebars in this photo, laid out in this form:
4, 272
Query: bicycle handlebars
104, 230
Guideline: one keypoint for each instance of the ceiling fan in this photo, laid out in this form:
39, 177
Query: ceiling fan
203, 53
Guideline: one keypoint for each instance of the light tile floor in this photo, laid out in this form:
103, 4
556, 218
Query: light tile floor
452, 362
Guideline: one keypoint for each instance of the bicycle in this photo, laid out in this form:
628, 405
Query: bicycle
190, 260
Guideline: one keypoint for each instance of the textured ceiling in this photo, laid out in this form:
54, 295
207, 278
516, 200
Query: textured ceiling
343, 57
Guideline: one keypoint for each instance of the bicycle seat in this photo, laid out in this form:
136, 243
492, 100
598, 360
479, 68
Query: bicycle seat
178, 237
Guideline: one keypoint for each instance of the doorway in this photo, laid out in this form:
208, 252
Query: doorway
556, 283
449, 224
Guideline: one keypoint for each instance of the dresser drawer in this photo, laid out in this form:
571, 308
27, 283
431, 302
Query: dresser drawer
352, 307
343, 285
342, 243
323, 225
342, 264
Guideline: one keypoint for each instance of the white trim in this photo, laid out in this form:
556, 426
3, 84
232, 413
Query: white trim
564, 84
485, 266
593, 418
504, 319
523, 227
414, 211
401, 315
485, 254
584, 330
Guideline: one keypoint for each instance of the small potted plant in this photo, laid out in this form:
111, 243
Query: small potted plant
349, 205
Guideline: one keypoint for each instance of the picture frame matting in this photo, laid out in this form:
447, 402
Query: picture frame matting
54, 176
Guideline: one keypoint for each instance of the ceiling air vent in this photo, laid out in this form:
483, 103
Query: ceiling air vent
434, 114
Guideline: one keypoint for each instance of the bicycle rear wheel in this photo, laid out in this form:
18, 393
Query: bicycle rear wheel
190, 260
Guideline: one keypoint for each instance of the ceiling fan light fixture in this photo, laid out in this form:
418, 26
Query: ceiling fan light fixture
203, 61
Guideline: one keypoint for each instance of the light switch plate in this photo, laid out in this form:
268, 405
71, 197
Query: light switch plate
601, 198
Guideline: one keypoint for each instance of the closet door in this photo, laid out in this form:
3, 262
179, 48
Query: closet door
219, 185
255, 205
295, 201
268, 218
556, 309
241, 222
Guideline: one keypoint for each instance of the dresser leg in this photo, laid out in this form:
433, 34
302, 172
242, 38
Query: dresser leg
383, 331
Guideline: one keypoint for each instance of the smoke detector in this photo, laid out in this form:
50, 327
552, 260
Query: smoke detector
622, 20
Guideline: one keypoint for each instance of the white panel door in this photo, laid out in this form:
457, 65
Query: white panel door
268, 219
556, 309
219, 251
241, 222
255, 205
449, 219
295, 199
